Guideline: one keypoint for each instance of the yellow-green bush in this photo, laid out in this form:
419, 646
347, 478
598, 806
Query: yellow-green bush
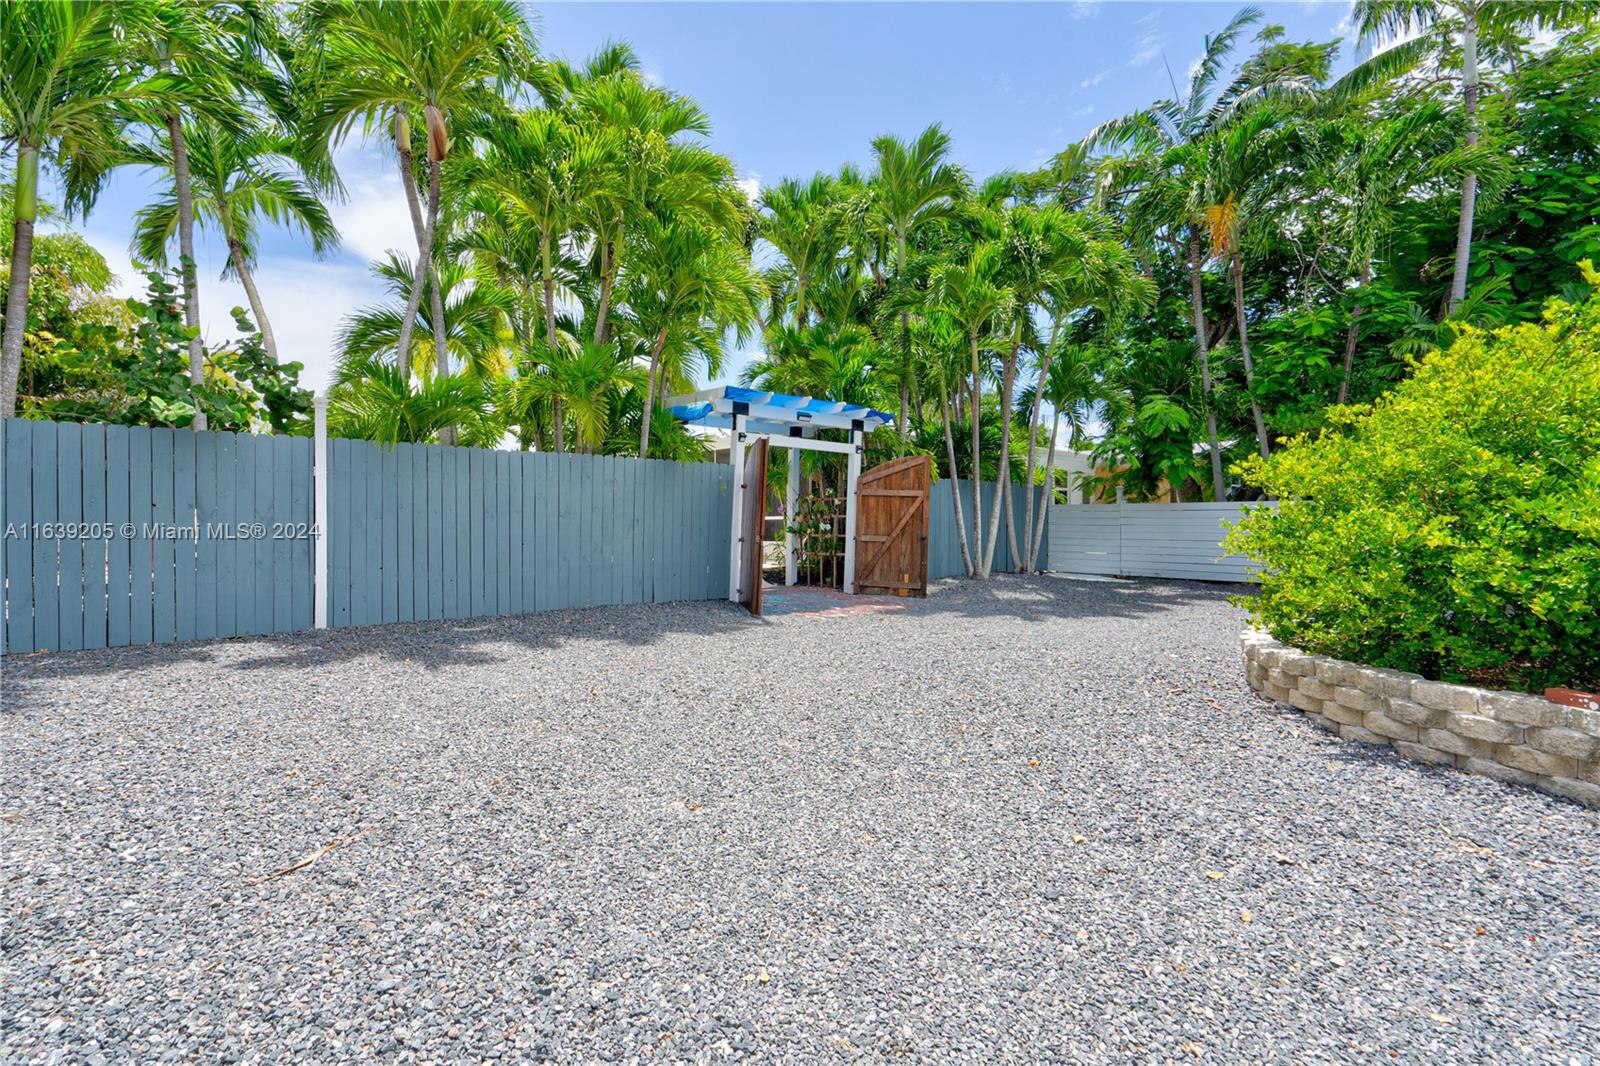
1453, 527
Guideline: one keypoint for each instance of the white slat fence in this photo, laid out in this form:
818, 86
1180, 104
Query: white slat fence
1174, 540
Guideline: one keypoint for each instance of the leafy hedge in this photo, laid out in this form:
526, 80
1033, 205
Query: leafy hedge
1453, 527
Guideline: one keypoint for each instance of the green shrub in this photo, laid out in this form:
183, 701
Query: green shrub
1452, 528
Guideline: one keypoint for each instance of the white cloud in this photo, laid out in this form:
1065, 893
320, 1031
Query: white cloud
750, 183
373, 217
1085, 9
1094, 79
1146, 47
1083, 112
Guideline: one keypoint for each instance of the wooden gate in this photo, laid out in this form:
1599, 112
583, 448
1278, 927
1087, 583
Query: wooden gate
752, 527
892, 527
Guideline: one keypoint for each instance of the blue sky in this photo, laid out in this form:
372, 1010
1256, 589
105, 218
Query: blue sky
790, 88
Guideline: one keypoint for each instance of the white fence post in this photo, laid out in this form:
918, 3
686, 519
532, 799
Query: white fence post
854, 472
736, 534
319, 477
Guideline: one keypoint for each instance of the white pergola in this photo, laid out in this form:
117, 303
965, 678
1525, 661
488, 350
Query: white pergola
785, 422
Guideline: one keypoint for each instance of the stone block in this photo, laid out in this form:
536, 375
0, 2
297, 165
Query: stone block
1585, 792
1300, 664
1361, 735
1337, 671
1395, 682
1382, 724
1358, 699
1445, 740
1322, 722
1275, 692
1568, 742
1276, 676
1490, 768
1305, 703
1479, 727
1343, 715
1423, 753
1535, 761
1314, 687
1583, 720
1445, 697
1589, 771
1403, 710
1271, 658
1367, 679
1519, 708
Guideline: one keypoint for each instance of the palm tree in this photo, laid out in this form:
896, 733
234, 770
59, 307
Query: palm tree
372, 399
1438, 25
379, 63
1071, 384
237, 182
1165, 172
690, 286
798, 220
581, 380
542, 169
913, 183
476, 313
970, 291
69, 76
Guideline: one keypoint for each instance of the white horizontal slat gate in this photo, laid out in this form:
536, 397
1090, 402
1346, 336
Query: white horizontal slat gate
1174, 540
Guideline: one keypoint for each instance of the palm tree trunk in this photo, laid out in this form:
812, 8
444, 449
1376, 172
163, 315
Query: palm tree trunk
609, 265
650, 393
1203, 354
1033, 429
419, 280
257, 308
191, 280
977, 464
1048, 497
549, 284
1002, 487
25, 207
408, 181
1350, 336
955, 485
1237, 265
1469, 180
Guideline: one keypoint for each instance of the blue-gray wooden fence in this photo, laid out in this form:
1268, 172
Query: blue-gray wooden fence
944, 548
422, 531
118, 535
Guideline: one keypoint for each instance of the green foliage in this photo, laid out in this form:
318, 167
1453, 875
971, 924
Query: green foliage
1453, 527
134, 370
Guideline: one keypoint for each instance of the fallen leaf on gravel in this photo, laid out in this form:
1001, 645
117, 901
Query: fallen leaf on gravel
1192, 1048
1033, 763
1480, 930
1215, 875
1246, 917
1474, 848
763, 977
1283, 860
293, 773
1077, 838
1442, 1019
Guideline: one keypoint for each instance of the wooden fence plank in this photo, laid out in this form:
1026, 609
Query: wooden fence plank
439, 551
118, 516
163, 551
205, 548
279, 531
503, 524
302, 513
545, 580
405, 525
481, 517
261, 554
185, 582
338, 533
94, 546
46, 551
69, 514
19, 545
517, 573
366, 553
226, 547
389, 533
461, 515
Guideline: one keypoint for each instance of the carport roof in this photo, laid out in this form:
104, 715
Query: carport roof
771, 412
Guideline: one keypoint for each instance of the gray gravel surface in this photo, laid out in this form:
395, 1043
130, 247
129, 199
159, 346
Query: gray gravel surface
1033, 820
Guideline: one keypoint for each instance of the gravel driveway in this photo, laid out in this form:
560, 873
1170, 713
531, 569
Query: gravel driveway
1037, 819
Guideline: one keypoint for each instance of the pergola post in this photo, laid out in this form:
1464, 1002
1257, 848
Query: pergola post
736, 533
791, 500
850, 510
